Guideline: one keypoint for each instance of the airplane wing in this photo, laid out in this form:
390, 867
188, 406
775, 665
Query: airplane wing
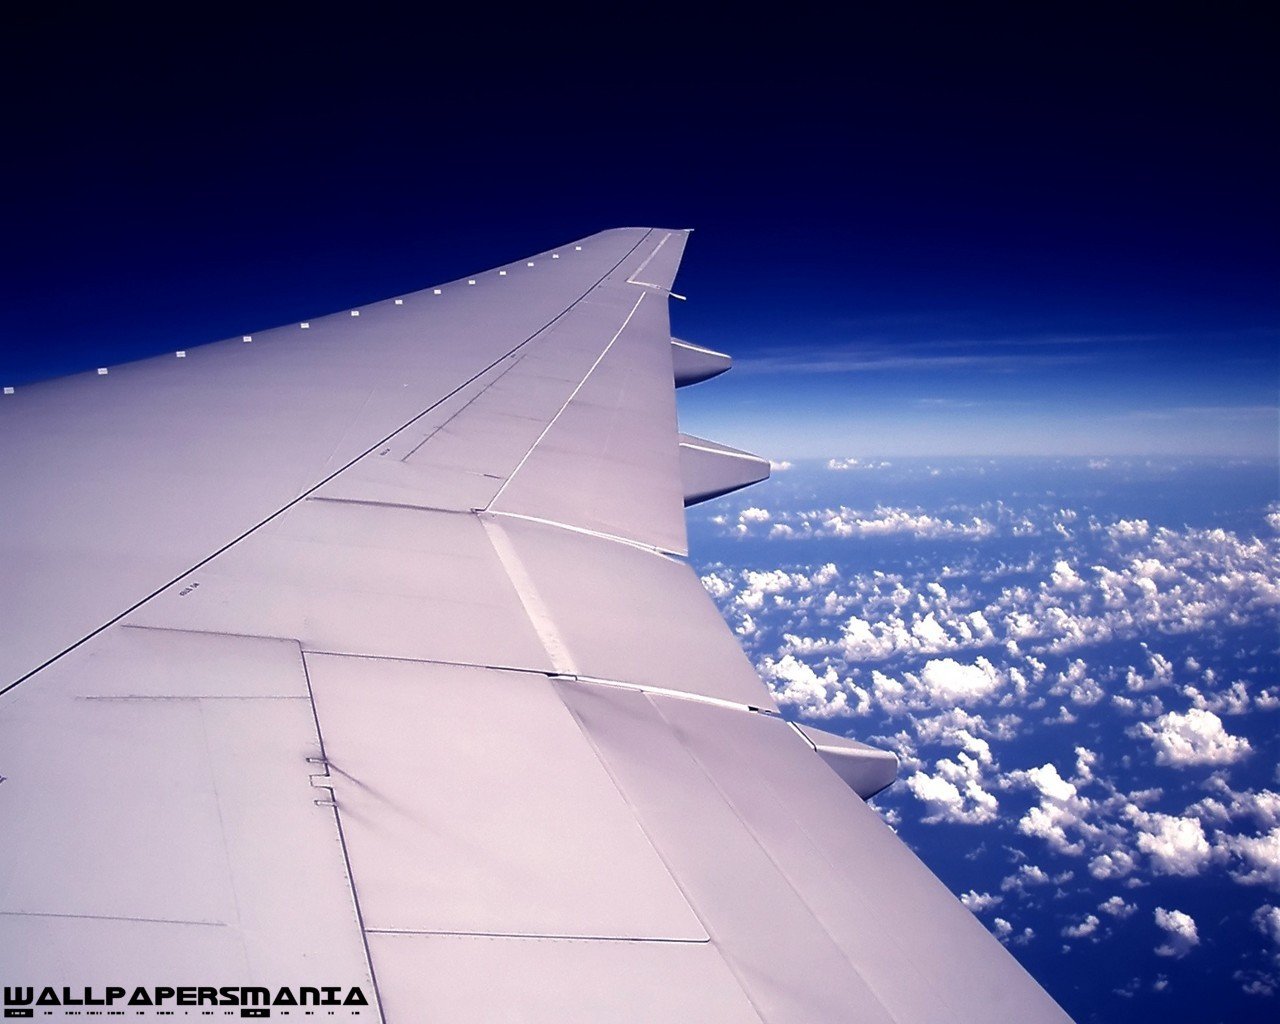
356, 663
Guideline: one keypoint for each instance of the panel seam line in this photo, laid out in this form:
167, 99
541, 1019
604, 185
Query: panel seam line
567, 402
342, 839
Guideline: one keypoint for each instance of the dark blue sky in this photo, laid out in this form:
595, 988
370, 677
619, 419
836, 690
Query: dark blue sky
927, 232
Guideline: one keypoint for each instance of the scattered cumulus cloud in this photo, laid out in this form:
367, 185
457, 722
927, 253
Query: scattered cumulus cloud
842, 465
1180, 933
954, 792
1267, 920
1254, 860
1175, 845
947, 681
1030, 876
1082, 929
980, 901
1194, 738
1117, 907
1131, 638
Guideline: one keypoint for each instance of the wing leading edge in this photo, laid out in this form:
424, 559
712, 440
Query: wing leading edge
429, 705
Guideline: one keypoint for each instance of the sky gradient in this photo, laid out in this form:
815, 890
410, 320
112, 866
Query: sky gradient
928, 233
936, 234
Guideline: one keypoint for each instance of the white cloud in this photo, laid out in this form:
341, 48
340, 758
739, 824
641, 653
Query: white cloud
1255, 983
1194, 738
717, 585
795, 684
1263, 805
1051, 784
1129, 529
1065, 579
970, 654
1179, 583
1083, 929
1180, 932
886, 521
979, 901
1029, 876
1255, 859
1115, 864
1003, 931
1061, 809
954, 792
957, 727
841, 465
1075, 682
845, 522
1176, 846
1267, 920
1232, 701
1117, 907
1161, 669
949, 682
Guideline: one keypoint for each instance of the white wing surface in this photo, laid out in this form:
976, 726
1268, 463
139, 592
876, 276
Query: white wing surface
358, 657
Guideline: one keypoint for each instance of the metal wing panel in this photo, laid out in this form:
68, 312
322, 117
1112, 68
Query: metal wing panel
474, 980
472, 804
427, 702
117, 484
842, 921
609, 461
359, 578
161, 816
620, 613
914, 944
785, 961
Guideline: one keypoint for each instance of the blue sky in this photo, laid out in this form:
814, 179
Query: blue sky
934, 232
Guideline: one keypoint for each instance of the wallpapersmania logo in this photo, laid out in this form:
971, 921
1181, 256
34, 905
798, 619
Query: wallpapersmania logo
30, 1001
